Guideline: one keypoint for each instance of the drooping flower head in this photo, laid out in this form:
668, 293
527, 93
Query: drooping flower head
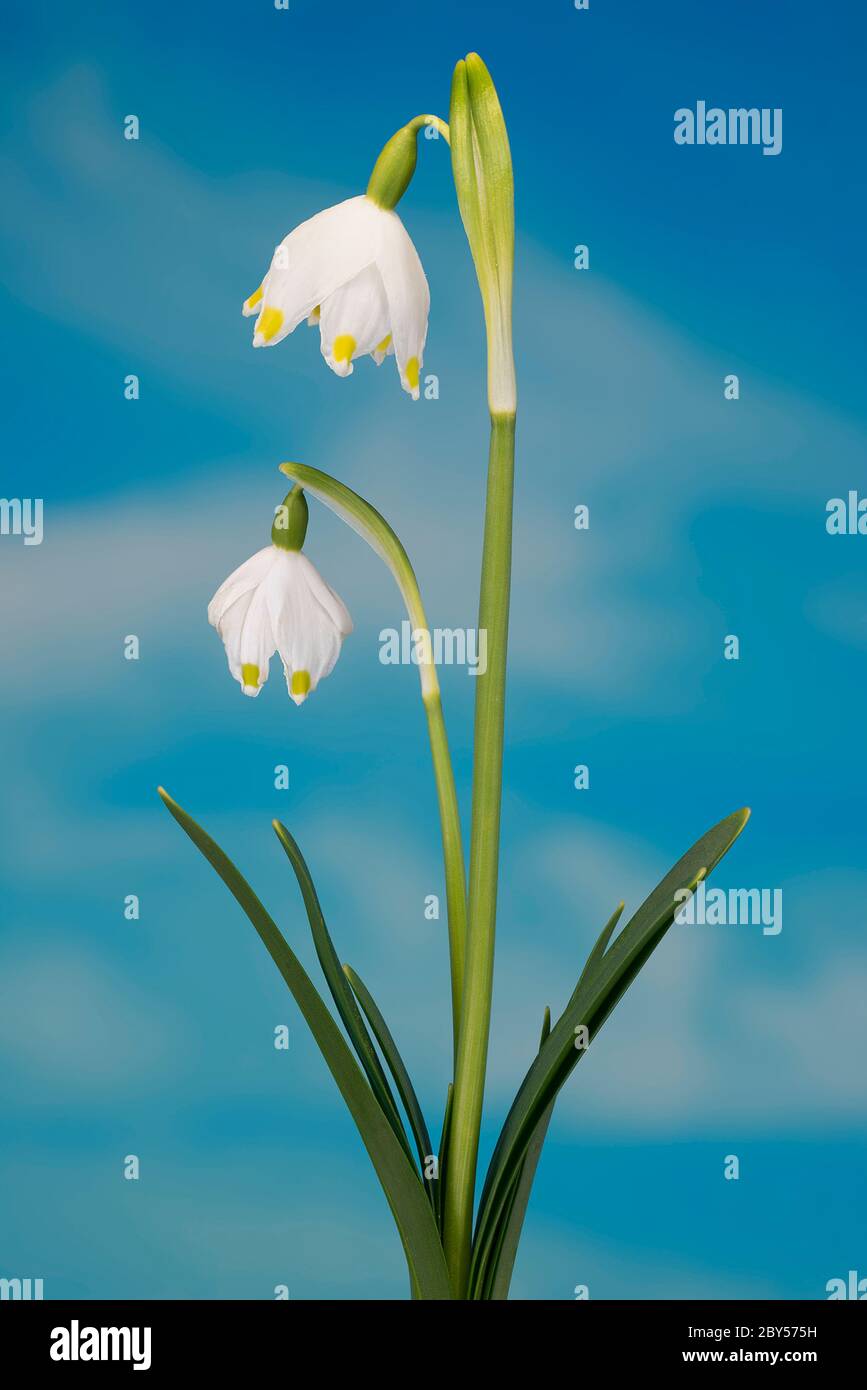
278, 602
353, 269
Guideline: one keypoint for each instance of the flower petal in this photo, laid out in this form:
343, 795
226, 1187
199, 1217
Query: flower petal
241, 581
239, 612
249, 641
354, 320
255, 642
308, 633
326, 597
313, 261
408, 296
251, 305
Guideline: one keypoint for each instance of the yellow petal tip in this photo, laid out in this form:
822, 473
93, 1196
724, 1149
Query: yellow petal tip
299, 686
268, 324
344, 347
250, 304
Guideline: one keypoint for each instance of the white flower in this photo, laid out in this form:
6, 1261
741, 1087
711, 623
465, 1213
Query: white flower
277, 601
354, 270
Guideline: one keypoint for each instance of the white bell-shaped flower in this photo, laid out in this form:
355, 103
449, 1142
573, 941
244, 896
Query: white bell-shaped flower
277, 601
354, 270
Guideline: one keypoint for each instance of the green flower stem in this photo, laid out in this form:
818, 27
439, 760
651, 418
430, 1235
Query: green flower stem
484, 855
453, 850
419, 122
450, 819
373, 527
482, 168
447, 798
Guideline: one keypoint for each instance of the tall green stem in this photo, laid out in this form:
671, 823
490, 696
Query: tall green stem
376, 531
447, 797
484, 854
453, 851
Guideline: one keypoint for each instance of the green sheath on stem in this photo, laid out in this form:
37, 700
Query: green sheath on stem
484, 856
482, 168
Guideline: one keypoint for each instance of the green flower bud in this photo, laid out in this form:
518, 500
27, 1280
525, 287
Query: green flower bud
290, 521
482, 167
396, 164
394, 169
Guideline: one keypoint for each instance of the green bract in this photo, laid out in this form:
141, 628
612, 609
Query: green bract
482, 168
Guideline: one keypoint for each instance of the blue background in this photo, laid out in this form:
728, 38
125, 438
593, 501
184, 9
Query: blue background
155, 1037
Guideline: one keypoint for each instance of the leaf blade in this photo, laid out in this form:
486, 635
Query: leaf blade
591, 1003
495, 1274
337, 984
403, 1191
397, 1067
442, 1161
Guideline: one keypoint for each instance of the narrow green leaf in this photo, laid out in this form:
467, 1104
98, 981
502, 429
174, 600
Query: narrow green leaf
599, 949
400, 1183
589, 1006
396, 1066
443, 1154
492, 1270
500, 1266
340, 991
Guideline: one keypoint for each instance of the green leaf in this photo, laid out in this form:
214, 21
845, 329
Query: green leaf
594, 998
404, 1193
396, 1066
495, 1274
599, 949
494, 1262
340, 991
443, 1154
